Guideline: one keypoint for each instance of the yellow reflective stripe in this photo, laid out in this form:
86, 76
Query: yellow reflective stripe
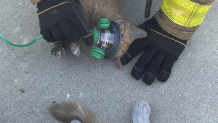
128, 54
87, 35
168, 37
53, 7
185, 12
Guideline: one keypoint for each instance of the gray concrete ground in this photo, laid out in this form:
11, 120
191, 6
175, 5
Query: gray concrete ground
190, 95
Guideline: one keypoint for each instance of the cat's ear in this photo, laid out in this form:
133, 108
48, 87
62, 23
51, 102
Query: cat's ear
137, 33
118, 63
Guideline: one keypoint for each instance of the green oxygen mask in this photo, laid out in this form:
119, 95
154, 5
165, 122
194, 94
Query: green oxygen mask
106, 39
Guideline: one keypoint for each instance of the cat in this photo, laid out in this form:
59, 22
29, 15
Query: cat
68, 112
94, 9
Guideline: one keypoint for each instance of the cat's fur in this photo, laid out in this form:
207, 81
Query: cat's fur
67, 112
94, 9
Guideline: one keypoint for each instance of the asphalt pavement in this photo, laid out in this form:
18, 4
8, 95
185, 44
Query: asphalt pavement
189, 96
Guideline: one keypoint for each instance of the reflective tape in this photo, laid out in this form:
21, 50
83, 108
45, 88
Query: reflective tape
185, 12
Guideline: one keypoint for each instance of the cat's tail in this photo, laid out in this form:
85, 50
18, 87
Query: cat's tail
67, 112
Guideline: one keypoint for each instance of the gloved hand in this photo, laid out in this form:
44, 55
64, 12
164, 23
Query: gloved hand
63, 20
161, 50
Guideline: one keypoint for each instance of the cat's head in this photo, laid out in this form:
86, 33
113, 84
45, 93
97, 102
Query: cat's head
129, 34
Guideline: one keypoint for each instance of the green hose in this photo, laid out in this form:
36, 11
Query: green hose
22, 45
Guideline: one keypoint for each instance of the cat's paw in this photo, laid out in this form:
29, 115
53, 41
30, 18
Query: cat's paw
58, 49
75, 49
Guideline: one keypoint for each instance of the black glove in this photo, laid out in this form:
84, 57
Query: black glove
161, 50
63, 20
